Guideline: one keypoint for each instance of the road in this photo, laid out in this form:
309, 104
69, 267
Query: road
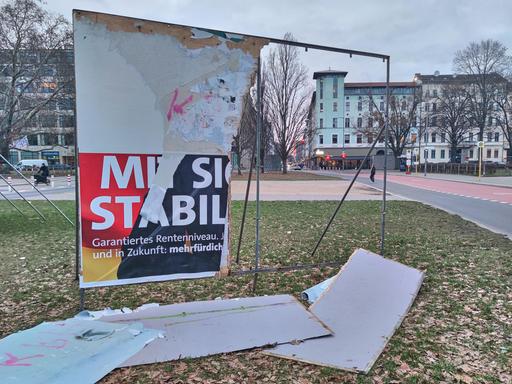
487, 206
59, 191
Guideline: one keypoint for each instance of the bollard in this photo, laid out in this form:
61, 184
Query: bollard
33, 181
69, 180
9, 181
52, 178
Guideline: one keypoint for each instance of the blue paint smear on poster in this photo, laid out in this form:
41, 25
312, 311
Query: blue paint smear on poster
70, 351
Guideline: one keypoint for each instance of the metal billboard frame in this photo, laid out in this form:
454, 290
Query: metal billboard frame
384, 130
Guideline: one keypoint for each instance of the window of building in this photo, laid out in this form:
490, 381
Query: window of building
489, 120
434, 121
489, 136
426, 107
404, 105
434, 137
427, 93
359, 122
414, 137
335, 88
496, 152
69, 139
471, 152
321, 123
347, 122
321, 107
320, 139
425, 154
443, 137
49, 139
471, 138
321, 89
335, 106
347, 106
48, 121
66, 121
334, 122
359, 105
370, 122
359, 138
435, 92
29, 155
442, 153
370, 138
347, 139
381, 106
370, 105
496, 136
432, 153
32, 139
425, 137
335, 139
381, 138
488, 153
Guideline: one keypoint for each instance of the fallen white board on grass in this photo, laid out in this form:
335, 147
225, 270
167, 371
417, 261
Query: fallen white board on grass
204, 328
364, 305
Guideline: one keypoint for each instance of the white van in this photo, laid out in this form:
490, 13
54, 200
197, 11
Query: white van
30, 164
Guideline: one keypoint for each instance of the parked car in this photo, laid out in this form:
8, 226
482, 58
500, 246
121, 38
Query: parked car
28, 164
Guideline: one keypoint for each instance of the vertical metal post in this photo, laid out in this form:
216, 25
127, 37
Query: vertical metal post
258, 154
82, 299
386, 140
242, 224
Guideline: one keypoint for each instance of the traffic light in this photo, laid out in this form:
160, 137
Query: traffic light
343, 155
328, 157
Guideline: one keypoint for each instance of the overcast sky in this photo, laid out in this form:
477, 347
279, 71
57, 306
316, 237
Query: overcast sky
419, 35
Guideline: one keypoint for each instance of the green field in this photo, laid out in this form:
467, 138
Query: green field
458, 330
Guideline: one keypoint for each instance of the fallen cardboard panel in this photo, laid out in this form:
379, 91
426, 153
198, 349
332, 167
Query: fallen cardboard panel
204, 328
70, 351
364, 305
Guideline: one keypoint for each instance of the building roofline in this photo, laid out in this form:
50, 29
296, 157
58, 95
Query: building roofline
394, 84
328, 72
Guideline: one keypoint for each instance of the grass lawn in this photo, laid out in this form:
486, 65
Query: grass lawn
458, 330
289, 176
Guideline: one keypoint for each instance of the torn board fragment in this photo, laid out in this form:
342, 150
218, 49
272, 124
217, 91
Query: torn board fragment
363, 306
157, 107
70, 351
206, 328
313, 293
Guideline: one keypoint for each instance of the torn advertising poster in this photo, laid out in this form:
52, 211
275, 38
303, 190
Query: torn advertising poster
70, 351
157, 107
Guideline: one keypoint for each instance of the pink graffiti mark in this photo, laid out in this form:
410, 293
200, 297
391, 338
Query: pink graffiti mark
175, 107
14, 361
55, 344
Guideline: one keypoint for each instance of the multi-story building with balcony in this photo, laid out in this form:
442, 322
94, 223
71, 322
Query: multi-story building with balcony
434, 143
346, 118
50, 133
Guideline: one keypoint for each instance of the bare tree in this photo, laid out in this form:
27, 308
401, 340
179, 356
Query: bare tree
30, 40
485, 61
503, 114
453, 105
286, 98
402, 119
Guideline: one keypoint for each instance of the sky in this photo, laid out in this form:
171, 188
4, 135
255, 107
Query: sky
421, 36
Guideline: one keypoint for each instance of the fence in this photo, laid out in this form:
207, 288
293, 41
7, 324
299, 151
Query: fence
488, 169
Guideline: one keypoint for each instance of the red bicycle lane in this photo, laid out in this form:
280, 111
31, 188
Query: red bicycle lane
485, 192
